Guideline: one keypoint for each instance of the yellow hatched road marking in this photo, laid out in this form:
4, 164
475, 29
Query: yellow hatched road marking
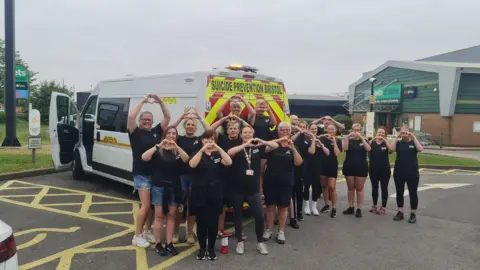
40, 196
110, 213
87, 202
37, 239
69, 230
449, 171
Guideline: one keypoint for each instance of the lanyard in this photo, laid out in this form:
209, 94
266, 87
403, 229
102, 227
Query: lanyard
248, 157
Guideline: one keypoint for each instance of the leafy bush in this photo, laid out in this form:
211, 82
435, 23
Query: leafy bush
345, 120
21, 117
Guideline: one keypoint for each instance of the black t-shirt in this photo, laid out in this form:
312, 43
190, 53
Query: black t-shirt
243, 183
280, 167
189, 145
406, 161
262, 128
167, 166
379, 156
208, 171
356, 153
140, 141
331, 159
303, 143
314, 161
225, 143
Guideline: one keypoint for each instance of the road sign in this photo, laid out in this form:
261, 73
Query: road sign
21, 81
432, 186
34, 142
34, 122
372, 99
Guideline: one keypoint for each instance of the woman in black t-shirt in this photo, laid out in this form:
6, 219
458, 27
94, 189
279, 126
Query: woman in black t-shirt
313, 173
245, 184
380, 171
206, 197
191, 144
279, 180
330, 169
406, 171
355, 168
167, 158
142, 138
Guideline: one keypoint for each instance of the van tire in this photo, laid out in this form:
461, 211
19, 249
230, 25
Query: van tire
77, 169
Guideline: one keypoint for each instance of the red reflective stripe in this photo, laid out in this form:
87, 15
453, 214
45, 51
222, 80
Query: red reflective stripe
209, 79
230, 78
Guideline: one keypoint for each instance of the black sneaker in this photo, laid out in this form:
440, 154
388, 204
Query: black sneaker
212, 255
412, 219
300, 217
171, 249
325, 209
349, 211
161, 250
399, 216
294, 223
202, 254
333, 214
358, 213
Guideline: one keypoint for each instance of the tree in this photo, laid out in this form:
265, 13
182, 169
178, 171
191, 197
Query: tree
31, 87
40, 99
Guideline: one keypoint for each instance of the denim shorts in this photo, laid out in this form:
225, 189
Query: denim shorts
187, 180
159, 192
141, 181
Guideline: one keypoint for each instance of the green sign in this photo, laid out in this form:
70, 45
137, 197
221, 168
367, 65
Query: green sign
390, 94
21, 82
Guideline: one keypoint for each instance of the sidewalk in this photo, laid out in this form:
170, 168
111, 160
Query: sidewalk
472, 154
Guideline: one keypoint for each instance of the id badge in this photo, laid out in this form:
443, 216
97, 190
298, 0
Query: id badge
249, 172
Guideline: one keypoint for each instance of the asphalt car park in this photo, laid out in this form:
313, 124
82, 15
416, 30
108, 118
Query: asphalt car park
61, 223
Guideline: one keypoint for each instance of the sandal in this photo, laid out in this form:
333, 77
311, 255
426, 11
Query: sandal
382, 211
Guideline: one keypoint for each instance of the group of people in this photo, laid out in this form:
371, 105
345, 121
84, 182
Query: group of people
279, 169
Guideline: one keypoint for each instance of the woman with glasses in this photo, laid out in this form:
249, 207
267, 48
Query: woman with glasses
143, 137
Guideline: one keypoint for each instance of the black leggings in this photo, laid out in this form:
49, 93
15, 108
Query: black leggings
297, 193
314, 181
256, 208
383, 180
412, 184
207, 225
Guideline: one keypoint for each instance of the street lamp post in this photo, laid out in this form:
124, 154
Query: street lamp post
10, 96
372, 94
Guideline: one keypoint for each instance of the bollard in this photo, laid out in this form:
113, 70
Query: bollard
441, 140
224, 249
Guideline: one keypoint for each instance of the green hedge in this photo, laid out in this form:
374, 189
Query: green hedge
21, 117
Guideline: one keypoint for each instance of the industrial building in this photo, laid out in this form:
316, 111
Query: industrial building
315, 106
439, 95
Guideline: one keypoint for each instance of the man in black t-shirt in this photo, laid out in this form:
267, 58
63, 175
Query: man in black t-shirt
326, 121
142, 138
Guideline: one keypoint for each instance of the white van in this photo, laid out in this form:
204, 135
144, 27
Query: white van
96, 140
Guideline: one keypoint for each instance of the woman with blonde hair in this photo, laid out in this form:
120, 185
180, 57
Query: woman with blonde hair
355, 168
380, 171
406, 171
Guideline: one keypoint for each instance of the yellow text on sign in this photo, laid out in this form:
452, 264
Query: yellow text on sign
243, 86
169, 100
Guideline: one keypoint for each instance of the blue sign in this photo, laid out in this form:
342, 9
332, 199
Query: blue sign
21, 90
410, 92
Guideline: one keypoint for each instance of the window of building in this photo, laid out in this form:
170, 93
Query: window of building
112, 114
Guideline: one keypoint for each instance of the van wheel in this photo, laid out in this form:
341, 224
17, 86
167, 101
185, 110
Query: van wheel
77, 169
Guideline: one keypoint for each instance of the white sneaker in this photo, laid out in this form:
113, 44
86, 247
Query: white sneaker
262, 248
281, 237
240, 248
267, 235
139, 241
306, 208
148, 235
314, 209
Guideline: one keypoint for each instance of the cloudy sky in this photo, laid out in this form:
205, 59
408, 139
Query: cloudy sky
314, 46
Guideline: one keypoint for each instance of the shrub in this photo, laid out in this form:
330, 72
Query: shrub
345, 120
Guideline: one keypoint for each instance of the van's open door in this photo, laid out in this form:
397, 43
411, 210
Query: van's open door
63, 133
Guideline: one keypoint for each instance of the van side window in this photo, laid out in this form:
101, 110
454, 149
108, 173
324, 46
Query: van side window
112, 114
89, 112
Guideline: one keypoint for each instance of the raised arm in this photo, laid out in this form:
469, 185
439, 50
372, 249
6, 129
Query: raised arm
202, 121
418, 145
220, 109
132, 115
219, 122
181, 118
251, 110
297, 158
147, 155
166, 114
271, 115
237, 149
226, 159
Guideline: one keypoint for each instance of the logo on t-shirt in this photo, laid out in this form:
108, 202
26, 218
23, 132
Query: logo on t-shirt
306, 142
361, 144
217, 160
255, 151
267, 120
195, 142
384, 148
411, 146
288, 152
155, 135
